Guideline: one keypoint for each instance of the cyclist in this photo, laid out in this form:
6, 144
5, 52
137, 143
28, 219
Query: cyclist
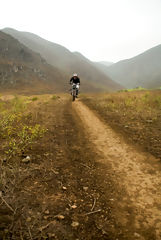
75, 79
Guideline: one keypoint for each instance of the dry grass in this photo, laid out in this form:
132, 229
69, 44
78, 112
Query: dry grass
19, 131
135, 114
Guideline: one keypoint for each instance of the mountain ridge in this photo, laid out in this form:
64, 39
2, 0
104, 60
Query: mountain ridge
66, 61
20, 66
142, 70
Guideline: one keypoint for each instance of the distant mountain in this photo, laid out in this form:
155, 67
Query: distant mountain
106, 63
103, 67
66, 61
143, 70
20, 66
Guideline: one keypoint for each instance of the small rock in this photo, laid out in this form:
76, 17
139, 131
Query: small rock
85, 188
47, 212
75, 224
52, 235
46, 154
149, 121
137, 235
64, 188
60, 217
74, 206
28, 219
6, 230
26, 160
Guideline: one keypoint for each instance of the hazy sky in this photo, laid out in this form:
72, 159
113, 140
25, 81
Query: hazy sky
108, 30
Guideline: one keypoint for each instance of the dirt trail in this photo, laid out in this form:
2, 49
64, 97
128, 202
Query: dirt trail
137, 174
83, 181
62, 193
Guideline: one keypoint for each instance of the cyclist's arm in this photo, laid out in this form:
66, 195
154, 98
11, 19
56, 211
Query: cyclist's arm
71, 80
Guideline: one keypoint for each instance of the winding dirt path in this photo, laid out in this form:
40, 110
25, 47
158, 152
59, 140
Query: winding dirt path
138, 173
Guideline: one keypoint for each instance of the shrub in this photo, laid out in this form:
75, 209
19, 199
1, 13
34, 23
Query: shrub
34, 99
54, 97
15, 134
24, 138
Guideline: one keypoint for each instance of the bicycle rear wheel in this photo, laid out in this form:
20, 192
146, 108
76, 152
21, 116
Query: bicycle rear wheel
73, 97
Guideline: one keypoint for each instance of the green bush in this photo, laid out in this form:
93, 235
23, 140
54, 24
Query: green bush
34, 99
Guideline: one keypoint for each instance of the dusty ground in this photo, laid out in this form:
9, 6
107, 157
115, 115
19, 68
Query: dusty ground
83, 181
137, 173
135, 115
61, 187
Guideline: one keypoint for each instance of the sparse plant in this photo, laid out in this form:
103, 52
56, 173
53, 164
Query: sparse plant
34, 99
17, 135
18, 104
157, 101
24, 138
145, 97
129, 102
1, 106
54, 97
132, 89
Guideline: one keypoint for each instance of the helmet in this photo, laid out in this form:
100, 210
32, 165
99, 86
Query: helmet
75, 75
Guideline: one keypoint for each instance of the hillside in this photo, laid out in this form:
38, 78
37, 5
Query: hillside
143, 70
101, 66
66, 61
20, 66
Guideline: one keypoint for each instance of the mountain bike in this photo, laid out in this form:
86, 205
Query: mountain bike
74, 91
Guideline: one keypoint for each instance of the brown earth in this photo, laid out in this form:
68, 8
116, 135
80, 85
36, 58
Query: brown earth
136, 172
134, 115
61, 186
83, 181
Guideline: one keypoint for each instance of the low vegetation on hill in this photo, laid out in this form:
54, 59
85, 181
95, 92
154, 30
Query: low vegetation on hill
20, 67
136, 114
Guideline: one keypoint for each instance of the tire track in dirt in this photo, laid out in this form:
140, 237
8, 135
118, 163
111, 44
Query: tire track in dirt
137, 172
62, 185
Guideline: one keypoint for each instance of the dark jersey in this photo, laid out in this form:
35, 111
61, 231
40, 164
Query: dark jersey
75, 80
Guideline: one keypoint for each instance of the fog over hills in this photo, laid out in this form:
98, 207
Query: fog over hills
66, 61
103, 67
106, 63
143, 70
